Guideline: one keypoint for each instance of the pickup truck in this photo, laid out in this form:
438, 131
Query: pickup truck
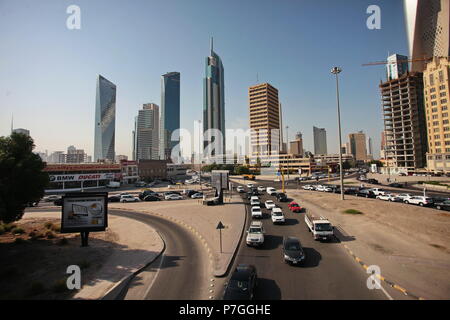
319, 226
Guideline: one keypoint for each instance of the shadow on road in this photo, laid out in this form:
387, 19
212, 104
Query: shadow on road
313, 258
271, 242
290, 222
267, 290
341, 235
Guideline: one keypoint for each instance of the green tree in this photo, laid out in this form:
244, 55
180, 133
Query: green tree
241, 170
22, 180
346, 165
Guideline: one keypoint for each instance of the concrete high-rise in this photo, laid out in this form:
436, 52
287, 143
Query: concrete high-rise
396, 66
436, 80
428, 29
320, 140
105, 120
404, 122
358, 147
296, 146
214, 103
169, 114
146, 134
264, 110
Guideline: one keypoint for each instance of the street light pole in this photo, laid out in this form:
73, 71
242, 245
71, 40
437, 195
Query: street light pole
336, 71
287, 149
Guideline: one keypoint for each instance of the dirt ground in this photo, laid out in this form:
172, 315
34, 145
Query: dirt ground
34, 263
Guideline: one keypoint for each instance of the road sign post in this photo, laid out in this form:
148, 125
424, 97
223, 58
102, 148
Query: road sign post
220, 226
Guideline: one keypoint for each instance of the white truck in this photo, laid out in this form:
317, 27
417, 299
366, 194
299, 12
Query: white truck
319, 226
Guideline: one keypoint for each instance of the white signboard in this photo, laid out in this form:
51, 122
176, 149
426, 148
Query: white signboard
84, 212
81, 177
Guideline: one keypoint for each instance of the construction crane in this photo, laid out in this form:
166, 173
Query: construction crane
394, 62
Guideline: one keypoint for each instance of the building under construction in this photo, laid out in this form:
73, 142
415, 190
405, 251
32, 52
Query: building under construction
404, 122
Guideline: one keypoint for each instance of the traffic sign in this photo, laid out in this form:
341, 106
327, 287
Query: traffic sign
220, 225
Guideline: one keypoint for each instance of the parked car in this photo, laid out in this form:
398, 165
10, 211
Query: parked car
308, 187
152, 198
242, 283
255, 234
378, 191
145, 193
404, 196
51, 198
256, 212
395, 185
372, 181
128, 198
114, 199
282, 197
419, 200
293, 251
198, 195
295, 207
173, 196
269, 204
58, 202
240, 189
171, 192
389, 197
442, 205
351, 190
367, 193
277, 216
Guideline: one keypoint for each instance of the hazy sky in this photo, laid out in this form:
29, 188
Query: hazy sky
48, 72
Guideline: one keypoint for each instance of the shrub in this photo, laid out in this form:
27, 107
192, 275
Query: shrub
60, 286
352, 211
48, 225
49, 234
9, 226
17, 230
36, 288
20, 241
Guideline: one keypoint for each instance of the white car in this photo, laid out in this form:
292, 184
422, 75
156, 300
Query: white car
197, 195
324, 188
256, 212
173, 196
51, 198
254, 201
240, 189
308, 187
420, 200
404, 196
378, 191
128, 198
261, 189
389, 197
269, 204
250, 185
271, 191
255, 234
277, 215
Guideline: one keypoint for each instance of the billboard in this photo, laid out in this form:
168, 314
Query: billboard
84, 212
84, 177
219, 179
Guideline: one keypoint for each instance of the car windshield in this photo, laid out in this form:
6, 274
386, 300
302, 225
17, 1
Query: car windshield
278, 214
269, 201
256, 209
294, 205
255, 230
292, 246
323, 227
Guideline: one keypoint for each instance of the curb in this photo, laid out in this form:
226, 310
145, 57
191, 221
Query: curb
379, 276
119, 287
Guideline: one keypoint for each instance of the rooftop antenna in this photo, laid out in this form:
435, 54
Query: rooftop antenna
12, 120
212, 42
257, 78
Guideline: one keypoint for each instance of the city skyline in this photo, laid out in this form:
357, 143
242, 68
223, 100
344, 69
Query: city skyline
246, 57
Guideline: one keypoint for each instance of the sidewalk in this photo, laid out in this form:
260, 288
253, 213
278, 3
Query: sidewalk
202, 221
135, 245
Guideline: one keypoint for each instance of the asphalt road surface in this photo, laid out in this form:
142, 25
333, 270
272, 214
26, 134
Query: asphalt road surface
180, 273
328, 272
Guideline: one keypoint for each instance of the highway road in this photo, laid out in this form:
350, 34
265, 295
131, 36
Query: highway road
328, 273
180, 273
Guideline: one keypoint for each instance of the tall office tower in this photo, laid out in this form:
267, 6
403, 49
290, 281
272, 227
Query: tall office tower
369, 146
427, 28
22, 131
147, 133
436, 90
358, 148
404, 121
214, 101
320, 140
105, 120
396, 66
169, 113
296, 146
264, 110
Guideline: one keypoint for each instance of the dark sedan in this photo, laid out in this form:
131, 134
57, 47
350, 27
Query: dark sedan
282, 197
443, 205
395, 185
367, 193
114, 199
293, 251
242, 283
152, 198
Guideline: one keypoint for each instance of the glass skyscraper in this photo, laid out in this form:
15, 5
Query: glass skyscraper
214, 100
105, 120
169, 113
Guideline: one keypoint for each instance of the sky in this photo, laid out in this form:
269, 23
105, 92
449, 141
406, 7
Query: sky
48, 72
